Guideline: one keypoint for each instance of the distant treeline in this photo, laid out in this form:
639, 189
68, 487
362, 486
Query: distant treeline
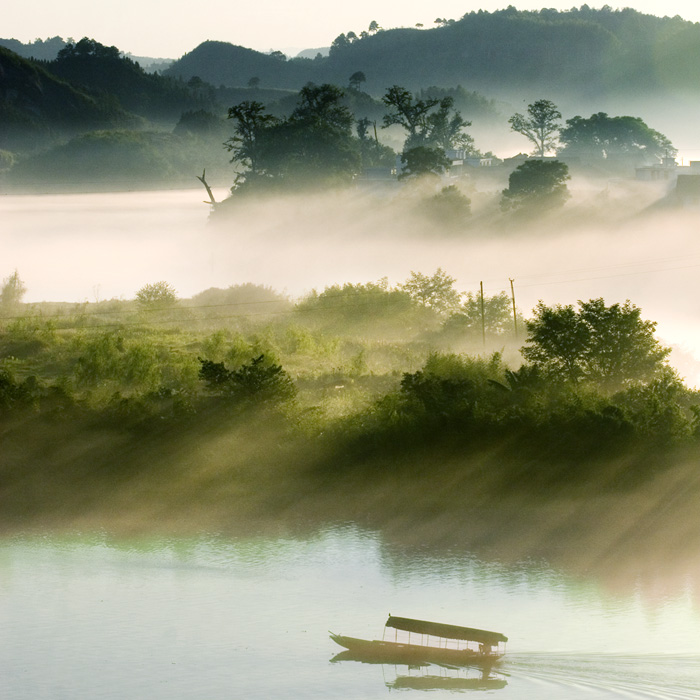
580, 52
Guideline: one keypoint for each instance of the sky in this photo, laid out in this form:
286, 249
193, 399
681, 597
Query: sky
159, 29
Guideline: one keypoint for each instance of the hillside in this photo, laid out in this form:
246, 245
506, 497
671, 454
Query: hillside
35, 105
103, 69
582, 52
220, 63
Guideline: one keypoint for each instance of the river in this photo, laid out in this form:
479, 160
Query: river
91, 616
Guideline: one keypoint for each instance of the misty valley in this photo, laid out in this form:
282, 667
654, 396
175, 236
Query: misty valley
299, 342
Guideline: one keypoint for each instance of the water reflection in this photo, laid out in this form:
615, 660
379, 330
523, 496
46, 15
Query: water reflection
430, 676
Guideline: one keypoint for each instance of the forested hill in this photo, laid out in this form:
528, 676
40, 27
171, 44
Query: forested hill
33, 103
583, 52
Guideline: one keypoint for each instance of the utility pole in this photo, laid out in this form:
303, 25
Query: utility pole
483, 320
515, 315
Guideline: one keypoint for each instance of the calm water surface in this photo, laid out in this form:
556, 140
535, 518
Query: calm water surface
212, 617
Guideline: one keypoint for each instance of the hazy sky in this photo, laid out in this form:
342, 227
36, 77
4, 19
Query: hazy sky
158, 28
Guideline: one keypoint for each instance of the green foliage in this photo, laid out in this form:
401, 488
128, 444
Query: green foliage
430, 122
580, 52
314, 145
251, 121
468, 102
626, 139
104, 69
102, 156
610, 346
257, 380
409, 113
157, 295
423, 161
201, 123
7, 160
15, 395
449, 207
436, 292
356, 79
38, 106
540, 126
356, 304
536, 186
498, 317
12, 292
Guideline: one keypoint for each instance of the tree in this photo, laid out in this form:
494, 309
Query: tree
537, 185
440, 128
446, 129
601, 137
436, 292
321, 106
13, 289
258, 380
449, 207
156, 295
254, 82
314, 144
373, 27
422, 160
408, 112
497, 318
251, 121
356, 79
540, 125
608, 345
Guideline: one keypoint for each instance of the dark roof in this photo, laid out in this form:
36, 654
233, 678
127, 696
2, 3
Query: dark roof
439, 629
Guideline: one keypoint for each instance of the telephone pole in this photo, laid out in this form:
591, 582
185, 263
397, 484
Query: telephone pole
515, 315
483, 320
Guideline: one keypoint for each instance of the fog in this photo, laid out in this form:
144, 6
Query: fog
93, 247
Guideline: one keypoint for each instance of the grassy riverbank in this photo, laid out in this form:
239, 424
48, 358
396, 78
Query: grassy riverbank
132, 420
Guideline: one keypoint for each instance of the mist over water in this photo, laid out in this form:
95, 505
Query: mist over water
92, 247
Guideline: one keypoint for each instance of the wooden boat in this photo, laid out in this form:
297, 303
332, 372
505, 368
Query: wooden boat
423, 641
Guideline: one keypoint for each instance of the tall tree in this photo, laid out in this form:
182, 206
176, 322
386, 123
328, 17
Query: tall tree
540, 126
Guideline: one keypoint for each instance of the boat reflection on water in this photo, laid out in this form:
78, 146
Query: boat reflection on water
432, 676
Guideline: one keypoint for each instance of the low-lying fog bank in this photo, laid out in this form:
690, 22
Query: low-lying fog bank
604, 243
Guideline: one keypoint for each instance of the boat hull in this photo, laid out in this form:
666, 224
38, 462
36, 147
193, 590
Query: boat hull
375, 650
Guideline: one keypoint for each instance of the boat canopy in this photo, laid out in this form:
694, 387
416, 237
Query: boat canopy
439, 629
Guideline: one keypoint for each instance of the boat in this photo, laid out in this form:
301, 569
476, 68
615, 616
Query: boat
416, 641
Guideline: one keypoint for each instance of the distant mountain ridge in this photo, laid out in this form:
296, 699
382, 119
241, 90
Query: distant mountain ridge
47, 50
582, 51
